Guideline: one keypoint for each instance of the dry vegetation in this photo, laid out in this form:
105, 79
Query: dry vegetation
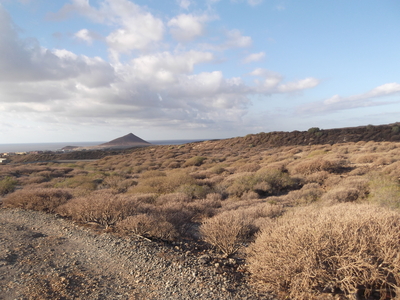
312, 221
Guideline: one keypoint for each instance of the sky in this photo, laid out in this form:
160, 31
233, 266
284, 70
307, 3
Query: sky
95, 70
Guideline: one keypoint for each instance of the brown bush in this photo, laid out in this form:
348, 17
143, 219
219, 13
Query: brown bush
173, 197
348, 190
103, 207
252, 167
177, 214
317, 177
148, 226
194, 161
225, 231
38, 199
162, 184
318, 164
204, 208
347, 248
367, 158
309, 193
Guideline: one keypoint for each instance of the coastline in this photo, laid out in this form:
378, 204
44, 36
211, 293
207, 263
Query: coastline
26, 147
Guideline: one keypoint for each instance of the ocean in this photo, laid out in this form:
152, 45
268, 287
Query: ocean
56, 146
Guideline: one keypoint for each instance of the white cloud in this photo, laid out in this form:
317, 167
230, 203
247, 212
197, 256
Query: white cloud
299, 85
184, 4
186, 27
254, 57
236, 39
280, 7
337, 102
254, 2
271, 82
137, 28
87, 36
24, 60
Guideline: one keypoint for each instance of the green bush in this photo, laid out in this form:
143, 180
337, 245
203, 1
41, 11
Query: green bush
7, 185
395, 129
313, 130
195, 161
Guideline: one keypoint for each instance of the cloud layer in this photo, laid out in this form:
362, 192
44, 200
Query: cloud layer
374, 97
152, 87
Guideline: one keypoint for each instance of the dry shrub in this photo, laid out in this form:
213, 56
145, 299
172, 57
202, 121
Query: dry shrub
367, 158
194, 161
32, 180
177, 214
255, 212
173, 197
341, 194
204, 208
318, 164
317, 177
393, 169
174, 165
144, 198
250, 195
265, 181
214, 197
350, 189
152, 174
252, 167
162, 184
265, 210
225, 231
80, 181
240, 183
147, 225
218, 169
119, 183
384, 161
273, 181
309, 193
38, 199
384, 190
103, 207
346, 248
194, 191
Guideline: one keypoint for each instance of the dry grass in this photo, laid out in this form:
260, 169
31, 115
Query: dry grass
347, 248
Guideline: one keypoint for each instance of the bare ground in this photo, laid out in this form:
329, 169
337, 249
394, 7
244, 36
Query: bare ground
43, 256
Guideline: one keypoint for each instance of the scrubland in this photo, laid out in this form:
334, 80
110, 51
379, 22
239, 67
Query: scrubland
310, 222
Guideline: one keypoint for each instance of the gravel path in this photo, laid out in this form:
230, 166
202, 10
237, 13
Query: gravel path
43, 256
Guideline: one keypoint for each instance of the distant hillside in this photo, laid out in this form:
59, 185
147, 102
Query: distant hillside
316, 136
313, 136
129, 140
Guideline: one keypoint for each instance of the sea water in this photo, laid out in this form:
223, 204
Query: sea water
26, 147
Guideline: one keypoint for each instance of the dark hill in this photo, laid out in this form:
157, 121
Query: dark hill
129, 140
316, 136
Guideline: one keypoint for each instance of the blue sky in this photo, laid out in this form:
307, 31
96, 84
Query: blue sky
94, 70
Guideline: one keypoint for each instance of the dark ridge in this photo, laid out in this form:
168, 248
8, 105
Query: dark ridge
316, 136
